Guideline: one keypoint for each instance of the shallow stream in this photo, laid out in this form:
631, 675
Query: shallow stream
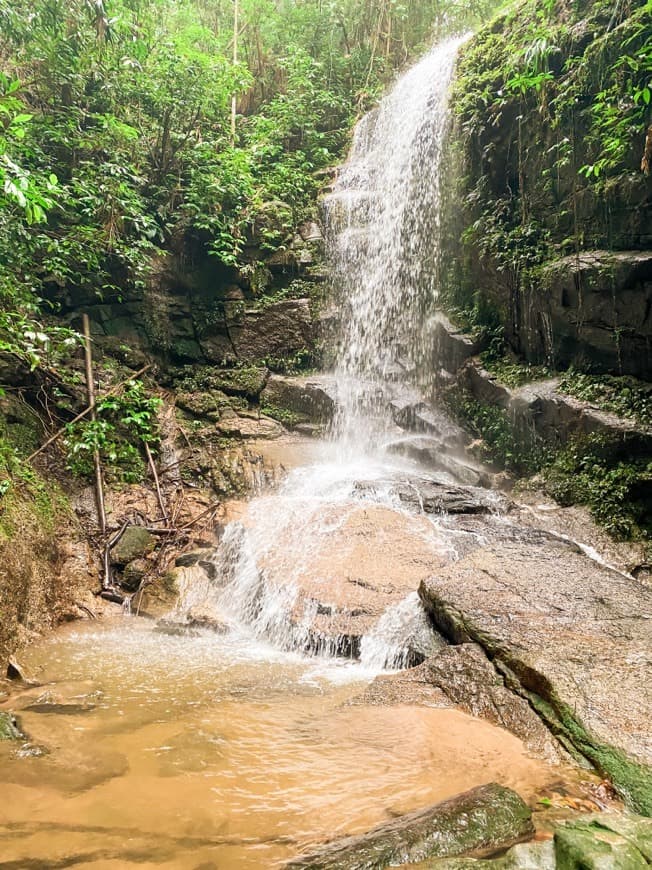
220, 752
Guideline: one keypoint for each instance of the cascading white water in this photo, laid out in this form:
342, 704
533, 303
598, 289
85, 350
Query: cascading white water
383, 223
382, 231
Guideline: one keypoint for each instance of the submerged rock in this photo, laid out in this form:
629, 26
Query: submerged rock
485, 818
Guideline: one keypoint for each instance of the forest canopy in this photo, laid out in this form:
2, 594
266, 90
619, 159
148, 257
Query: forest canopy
116, 130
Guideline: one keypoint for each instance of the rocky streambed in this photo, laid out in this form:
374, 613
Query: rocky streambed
455, 637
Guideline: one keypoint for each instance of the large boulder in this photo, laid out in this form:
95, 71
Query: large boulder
490, 817
310, 398
570, 635
278, 330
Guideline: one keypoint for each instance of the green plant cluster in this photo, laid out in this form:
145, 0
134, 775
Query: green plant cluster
124, 424
625, 396
552, 117
511, 371
617, 491
500, 442
593, 470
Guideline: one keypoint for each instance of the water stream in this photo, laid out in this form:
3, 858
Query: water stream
237, 749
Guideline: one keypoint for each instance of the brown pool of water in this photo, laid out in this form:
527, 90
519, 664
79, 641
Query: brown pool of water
207, 752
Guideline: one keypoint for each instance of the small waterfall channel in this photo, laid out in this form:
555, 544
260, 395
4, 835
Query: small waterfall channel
274, 567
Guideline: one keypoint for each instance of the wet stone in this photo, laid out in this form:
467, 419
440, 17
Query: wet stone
10, 727
134, 574
135, 543
597, 842
524, 856
486, 818
194, 557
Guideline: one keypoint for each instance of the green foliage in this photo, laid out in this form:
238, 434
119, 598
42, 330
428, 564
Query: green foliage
622, 395
552, 107
501, 443
124, 423
617, 491
511, 371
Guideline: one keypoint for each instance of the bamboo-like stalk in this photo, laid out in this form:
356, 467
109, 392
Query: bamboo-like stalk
90, 388
236, 13
86, 412
159, 494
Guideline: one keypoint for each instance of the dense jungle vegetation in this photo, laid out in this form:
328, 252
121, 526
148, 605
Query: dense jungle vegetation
117, 136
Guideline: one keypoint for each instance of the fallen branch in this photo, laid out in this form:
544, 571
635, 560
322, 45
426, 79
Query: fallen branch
90, 387
106, 579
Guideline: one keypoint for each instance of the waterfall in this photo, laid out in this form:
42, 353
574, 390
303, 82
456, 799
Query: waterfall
383, 224
277, 575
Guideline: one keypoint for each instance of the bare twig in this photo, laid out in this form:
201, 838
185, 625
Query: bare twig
159, 494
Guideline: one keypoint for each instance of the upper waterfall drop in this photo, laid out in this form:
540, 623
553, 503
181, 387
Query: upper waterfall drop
383, 223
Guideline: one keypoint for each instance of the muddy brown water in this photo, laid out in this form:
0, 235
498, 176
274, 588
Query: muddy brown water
219, 752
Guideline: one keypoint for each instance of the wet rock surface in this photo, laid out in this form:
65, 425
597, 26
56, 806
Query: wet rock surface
10, 727
462, 676
485, 818
311, 398
569, 635
135, 543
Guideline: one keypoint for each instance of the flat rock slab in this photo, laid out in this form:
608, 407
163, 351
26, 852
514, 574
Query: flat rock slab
573, 637
486, 818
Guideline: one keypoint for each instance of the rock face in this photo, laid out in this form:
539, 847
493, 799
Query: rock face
312, 399
595, 313
571, 636
486, 818
204, 313
281, 330
591, 305
462, 676
540, 412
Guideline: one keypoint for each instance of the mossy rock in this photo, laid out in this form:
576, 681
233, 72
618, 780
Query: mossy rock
525, 856
600, 842
247, 381
135, 543
208, 404
134, 574
488, 818
10, 727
